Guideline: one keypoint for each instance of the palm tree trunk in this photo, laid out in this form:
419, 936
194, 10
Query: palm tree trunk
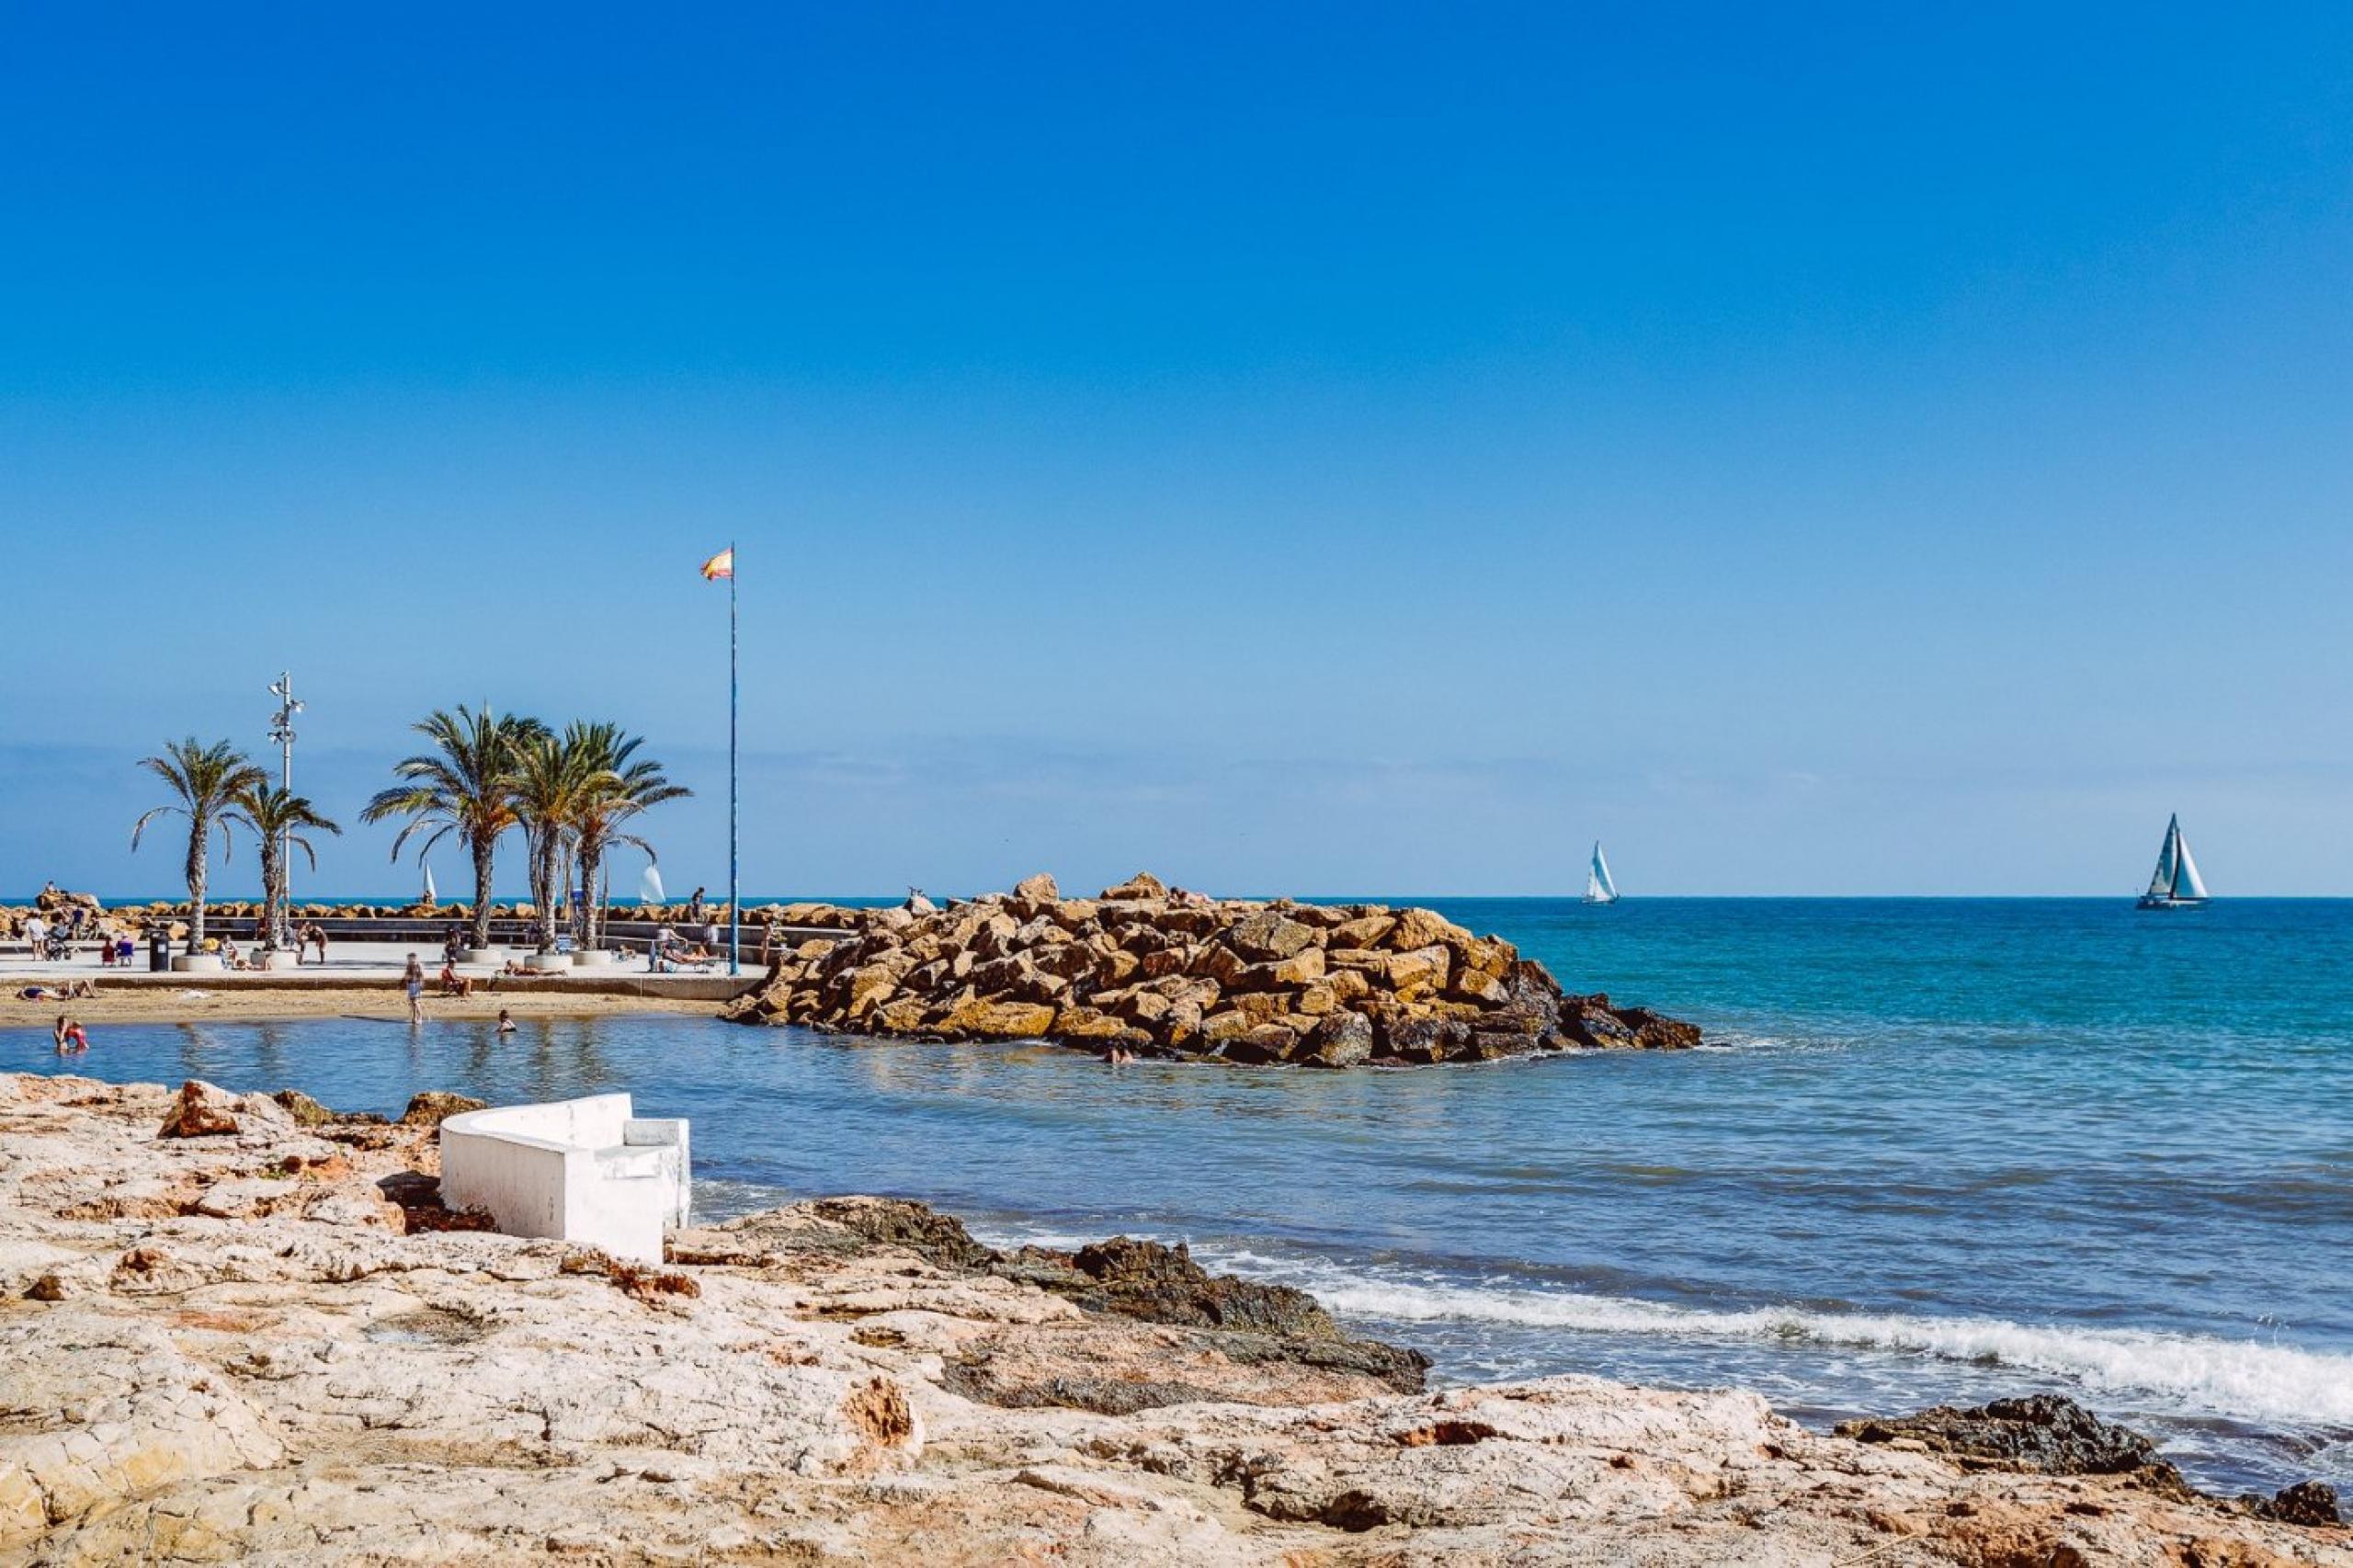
483, 849
591, 917
270, 858
576, 916
198, 832
547, 851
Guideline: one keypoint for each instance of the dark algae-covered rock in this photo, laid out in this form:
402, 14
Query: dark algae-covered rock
2053, 1435
1287, 1342
2044, 1432
1144, 969
898, 1221
2309, 1503
1162, 1284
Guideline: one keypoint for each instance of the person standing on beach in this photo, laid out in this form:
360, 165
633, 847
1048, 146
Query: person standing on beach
413, 981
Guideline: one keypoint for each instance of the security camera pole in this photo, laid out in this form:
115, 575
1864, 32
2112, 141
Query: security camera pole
281, 730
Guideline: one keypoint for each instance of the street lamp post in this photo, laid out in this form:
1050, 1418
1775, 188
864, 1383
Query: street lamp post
281, 730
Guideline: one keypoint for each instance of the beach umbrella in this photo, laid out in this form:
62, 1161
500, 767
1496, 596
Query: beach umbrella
649, 886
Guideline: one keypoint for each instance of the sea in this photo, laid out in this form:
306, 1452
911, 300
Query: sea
1934, 1150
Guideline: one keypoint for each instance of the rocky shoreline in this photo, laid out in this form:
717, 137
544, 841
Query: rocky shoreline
1138, 969
244, 1329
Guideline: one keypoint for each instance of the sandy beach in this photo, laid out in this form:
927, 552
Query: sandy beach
200, 1004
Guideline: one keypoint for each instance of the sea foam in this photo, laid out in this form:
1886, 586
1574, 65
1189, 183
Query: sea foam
2240, 1379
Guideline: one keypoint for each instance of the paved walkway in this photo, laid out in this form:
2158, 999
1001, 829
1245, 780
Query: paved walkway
382, 963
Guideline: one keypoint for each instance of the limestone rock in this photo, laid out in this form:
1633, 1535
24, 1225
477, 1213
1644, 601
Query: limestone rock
857, 1379
200, 1111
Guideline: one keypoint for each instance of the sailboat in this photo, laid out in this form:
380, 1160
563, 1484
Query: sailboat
2176, 884
1598, 888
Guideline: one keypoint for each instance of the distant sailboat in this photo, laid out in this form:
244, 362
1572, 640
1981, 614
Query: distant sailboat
1598, 888
430, 898
2176, 884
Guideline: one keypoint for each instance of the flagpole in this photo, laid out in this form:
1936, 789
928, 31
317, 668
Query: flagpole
734, 901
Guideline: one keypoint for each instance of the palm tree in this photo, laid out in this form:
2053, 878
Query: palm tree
632, 785
207, 780
276, 816
556, 777
465, 786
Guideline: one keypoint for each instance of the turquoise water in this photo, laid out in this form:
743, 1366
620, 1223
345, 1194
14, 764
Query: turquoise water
1944, 1150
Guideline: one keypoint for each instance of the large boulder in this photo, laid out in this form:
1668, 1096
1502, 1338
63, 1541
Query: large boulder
1341, 1039
202, 1111
1269, 935
1142, 885
433, 1106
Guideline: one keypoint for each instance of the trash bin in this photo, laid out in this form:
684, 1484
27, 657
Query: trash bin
159, 951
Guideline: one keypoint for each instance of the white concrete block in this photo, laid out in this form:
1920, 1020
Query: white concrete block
582, 1170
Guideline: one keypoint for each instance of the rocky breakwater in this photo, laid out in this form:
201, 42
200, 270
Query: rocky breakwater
244, 1329
1315, 984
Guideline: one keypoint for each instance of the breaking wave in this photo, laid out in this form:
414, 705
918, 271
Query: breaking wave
2238, 1379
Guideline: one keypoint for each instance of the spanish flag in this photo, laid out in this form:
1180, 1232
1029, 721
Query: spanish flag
720, 565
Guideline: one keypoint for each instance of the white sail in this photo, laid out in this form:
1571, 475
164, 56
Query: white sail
2175, 883
430, 897
1598, 888
649, 886
2187, 883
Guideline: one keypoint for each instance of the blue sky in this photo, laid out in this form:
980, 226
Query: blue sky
1847, 449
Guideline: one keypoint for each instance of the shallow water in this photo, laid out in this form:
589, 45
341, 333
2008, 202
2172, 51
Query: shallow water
1949, 1149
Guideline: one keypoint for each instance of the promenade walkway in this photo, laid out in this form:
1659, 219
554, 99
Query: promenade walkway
374, 964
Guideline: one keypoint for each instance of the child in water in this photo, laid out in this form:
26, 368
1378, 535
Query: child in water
72, 1038
506, 1021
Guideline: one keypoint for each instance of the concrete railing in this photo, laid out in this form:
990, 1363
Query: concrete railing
582, 1170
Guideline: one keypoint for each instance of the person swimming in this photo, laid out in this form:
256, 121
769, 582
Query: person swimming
506, 1021
72, 1038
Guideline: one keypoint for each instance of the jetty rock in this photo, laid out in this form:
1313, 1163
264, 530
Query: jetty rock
1162, 973
275, 1346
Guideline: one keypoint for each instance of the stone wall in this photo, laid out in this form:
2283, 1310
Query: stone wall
1140, 970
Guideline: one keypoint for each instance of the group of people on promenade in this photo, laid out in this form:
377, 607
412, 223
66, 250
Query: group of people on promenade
452, 984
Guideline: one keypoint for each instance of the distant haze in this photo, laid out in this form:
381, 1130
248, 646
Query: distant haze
1324, 449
